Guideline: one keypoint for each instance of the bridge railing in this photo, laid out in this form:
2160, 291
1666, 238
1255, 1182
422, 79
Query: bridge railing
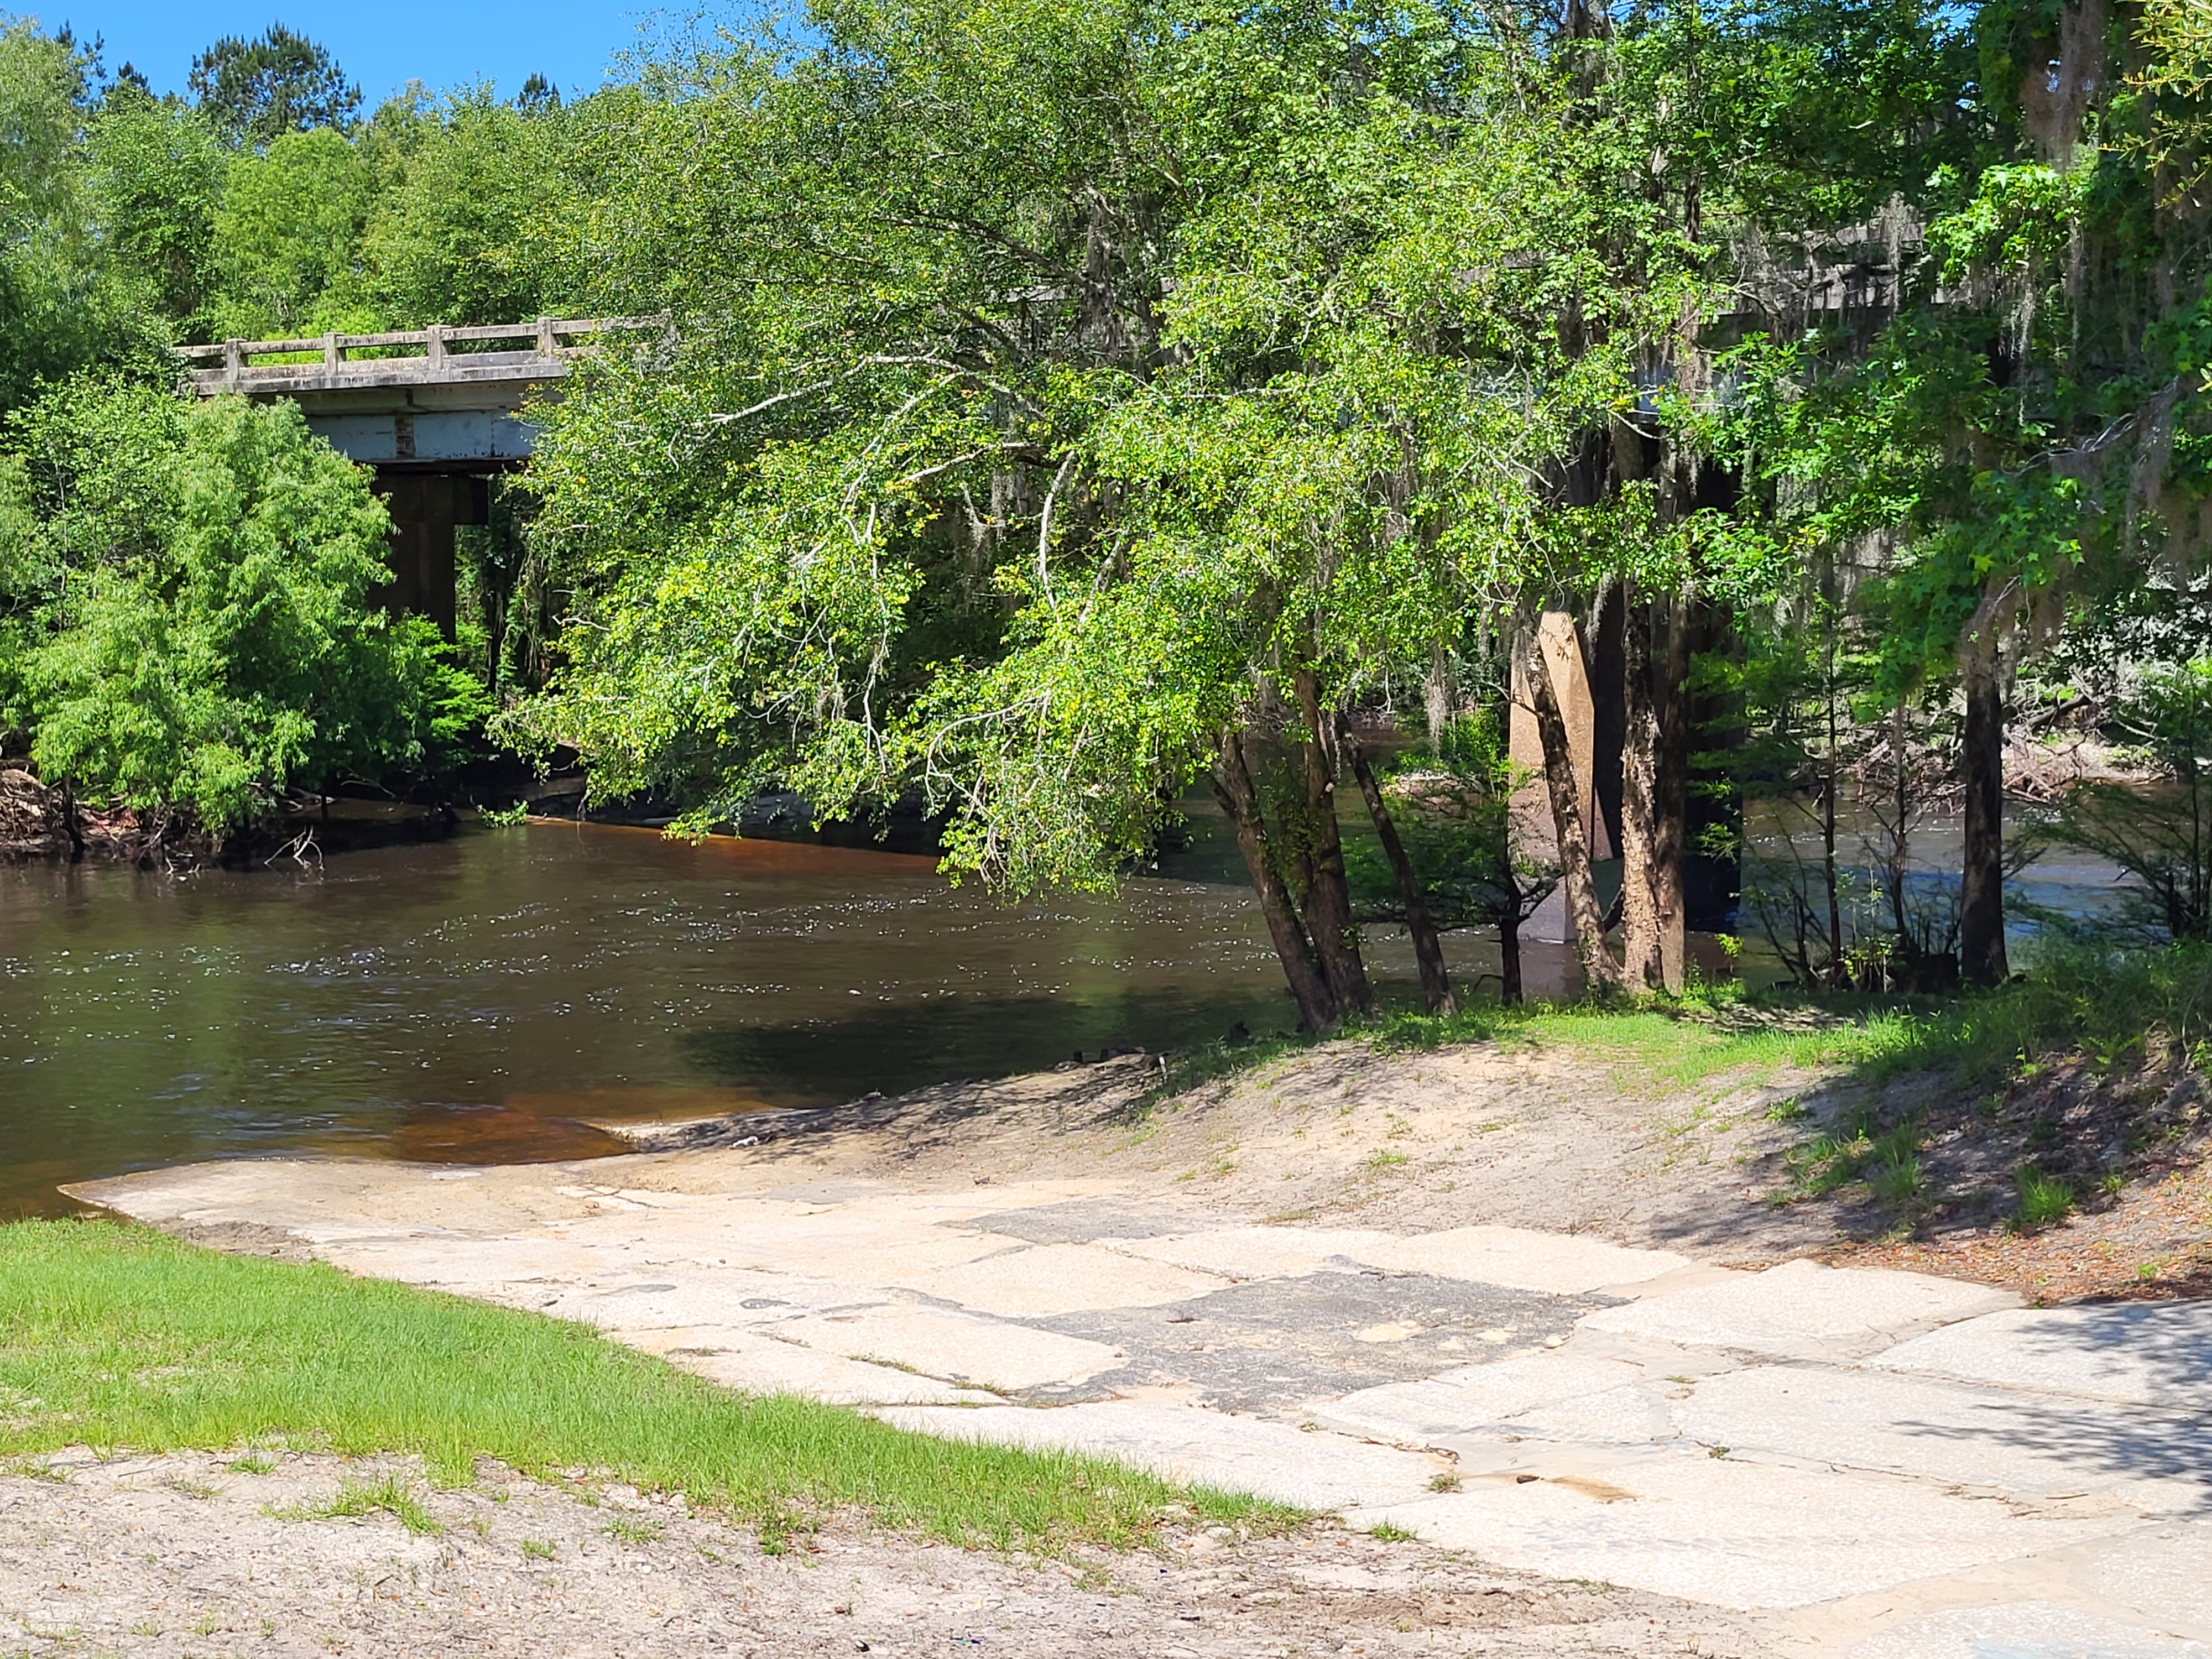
425, 353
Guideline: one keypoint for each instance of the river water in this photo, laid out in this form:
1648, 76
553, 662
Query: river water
488, 997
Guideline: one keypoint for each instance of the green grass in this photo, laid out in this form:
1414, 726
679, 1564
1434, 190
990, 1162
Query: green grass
390, 1496
2110, 1005
1669, 1045
115, 1337
1887, 1160
2043, 1199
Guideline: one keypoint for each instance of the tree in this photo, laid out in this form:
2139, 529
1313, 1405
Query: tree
213, 636
288, 237
157, 173
1456, 812
62, 309
914, 273
256, 91
443, 240
2031, 413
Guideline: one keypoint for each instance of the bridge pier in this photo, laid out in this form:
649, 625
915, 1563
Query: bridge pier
426, 509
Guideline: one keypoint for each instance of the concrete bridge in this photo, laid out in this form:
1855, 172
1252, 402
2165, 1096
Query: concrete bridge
436, 411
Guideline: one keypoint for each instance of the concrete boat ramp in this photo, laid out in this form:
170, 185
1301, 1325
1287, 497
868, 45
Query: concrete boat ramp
1877, 1465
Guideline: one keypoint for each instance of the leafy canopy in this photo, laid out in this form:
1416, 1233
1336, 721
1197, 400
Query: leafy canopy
204, 630
255, 91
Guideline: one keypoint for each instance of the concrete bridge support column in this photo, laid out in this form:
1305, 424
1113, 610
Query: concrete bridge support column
426, 508
1582, 707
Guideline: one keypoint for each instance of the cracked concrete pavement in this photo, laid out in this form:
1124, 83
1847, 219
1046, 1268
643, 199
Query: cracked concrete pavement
1868, 1463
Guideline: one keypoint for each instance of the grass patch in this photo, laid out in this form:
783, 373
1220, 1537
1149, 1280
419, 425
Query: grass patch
114, 1336
2112, 1005
389, 1495
2043, 1199
1677, 1044
1887, 1160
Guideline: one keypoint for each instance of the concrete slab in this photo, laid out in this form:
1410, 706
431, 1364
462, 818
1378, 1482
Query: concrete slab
2146, 1353
871, 1251
1085, 1220
1987, 1438
1734, 1534
1472, 1398
959, 1347
1239, 1454
1271, 1346
320, 1199
459, 1265
2025, 1630
1557, 1263
2164, 1572
1245, 1253
1047, 1279
753, 1363
1800, 1310
1635, 1416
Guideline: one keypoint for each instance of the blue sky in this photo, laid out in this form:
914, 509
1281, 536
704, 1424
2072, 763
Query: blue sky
381, 44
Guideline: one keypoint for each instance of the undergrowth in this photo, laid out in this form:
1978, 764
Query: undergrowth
2112, 1006
114, 1336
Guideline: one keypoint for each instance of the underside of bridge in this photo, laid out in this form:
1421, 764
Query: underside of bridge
427, 508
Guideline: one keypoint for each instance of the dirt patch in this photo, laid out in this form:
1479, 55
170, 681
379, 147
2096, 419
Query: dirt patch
245, 1239
1480, 1134
2126, 1148
164, 1557
2131, 1149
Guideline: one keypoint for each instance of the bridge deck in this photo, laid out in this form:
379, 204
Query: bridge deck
405, 360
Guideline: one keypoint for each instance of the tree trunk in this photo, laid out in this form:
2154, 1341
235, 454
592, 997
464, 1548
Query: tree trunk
1981, 889
1598, 965
1232, 786
1328, 898
1639, 747
1509, 960
1671, 797
71, 827
1428, 949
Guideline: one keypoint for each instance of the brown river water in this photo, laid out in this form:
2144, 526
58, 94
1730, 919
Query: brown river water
488, 998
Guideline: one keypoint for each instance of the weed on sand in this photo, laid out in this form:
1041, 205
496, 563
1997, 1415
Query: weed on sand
390, 1496
114, 1336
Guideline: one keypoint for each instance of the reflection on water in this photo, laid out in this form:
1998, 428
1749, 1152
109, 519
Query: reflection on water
487, 998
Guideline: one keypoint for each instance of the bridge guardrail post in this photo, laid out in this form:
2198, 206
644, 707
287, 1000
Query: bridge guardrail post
434, 343
547, 345
331, 355
233, 361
